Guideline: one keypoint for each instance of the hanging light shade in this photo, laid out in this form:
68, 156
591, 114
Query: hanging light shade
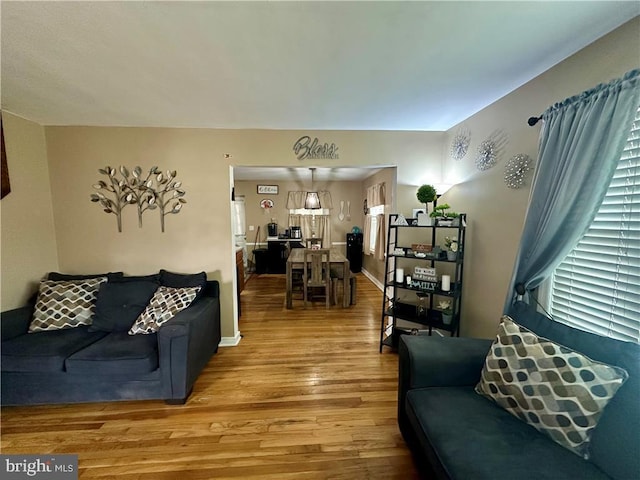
312, 201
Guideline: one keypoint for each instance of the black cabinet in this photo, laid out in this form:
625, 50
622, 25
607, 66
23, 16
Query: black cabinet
277, 257
416, 297
354, 251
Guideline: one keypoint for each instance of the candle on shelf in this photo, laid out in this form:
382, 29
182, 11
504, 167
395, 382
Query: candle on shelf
446, 283
399, 275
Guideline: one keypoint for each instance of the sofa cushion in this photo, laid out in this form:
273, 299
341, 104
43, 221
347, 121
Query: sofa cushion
65, 304
45, 351
115, 353
120, 303
166, 303
154, 277
558, 391
615, 444
473, 438
57, 276
181, 280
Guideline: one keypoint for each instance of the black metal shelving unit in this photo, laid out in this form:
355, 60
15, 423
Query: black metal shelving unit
393, 306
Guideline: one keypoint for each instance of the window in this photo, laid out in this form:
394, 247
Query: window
597, 286
374, 212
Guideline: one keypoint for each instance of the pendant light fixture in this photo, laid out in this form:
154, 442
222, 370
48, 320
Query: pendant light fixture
312, 201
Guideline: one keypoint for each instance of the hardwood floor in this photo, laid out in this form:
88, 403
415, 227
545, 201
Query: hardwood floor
305, 395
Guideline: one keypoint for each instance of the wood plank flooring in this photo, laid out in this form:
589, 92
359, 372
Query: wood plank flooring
305, 395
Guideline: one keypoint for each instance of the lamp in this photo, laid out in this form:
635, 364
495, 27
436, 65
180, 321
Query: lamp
312, 201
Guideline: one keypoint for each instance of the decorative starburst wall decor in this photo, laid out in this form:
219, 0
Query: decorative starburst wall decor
516, 170
460, 143
491, 149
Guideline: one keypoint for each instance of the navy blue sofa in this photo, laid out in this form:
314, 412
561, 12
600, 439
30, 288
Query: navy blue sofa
77, 365
456, 433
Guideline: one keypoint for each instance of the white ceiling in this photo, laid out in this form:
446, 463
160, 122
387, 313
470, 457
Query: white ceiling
284, 65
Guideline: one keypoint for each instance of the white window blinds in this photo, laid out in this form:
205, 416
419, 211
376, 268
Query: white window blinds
597, 287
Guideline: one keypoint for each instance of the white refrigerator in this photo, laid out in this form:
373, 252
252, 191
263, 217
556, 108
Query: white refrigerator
238, 224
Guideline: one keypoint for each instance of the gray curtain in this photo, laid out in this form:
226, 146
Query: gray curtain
580, 145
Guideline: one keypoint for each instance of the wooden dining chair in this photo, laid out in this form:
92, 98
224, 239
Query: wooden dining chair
337, 278
314, 243
316, 273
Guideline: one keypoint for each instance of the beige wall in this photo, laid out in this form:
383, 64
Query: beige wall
496, 213
200, 237
27, 232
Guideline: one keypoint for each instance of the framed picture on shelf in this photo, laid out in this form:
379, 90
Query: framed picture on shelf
268, 189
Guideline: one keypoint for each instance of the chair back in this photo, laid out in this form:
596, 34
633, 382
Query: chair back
316, 267
314, 243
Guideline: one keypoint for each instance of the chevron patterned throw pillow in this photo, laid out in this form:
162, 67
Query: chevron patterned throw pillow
558, 391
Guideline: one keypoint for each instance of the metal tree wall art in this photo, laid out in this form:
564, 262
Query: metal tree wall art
148, 192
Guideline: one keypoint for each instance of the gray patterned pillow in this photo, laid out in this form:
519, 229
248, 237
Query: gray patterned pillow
556, 390
163, 306
65, 304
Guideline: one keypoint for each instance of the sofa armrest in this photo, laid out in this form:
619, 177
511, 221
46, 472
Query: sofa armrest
14, 323
431, 361
185, 345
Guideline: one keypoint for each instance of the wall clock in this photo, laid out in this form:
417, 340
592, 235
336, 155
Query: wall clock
516, 170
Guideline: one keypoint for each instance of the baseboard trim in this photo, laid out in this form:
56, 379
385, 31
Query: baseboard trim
230, 341
373, 279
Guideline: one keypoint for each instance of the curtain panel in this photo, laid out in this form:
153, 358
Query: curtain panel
322, 227
380, 238
366, 234
376, 195
580, 145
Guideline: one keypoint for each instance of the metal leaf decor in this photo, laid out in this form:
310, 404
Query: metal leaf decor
153, 191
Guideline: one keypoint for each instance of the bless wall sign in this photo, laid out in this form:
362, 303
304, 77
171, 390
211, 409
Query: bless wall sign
307, 149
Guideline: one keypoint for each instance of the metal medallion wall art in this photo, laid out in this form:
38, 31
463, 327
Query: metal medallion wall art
460, 144
153, 191
516, 170
490, 150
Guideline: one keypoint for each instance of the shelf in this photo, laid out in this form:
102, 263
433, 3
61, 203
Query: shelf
441, 259
452, 293
393, 309
433, 318
456, 227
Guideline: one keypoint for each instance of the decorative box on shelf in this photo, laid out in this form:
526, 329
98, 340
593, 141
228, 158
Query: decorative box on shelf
421, 247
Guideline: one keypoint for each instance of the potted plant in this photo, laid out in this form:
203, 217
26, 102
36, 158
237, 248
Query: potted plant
426, 194
451, 244
443, 216
447, 312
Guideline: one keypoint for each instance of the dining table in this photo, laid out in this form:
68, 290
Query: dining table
295, 261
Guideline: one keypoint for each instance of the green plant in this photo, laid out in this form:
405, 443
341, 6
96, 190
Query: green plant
426, 194
445, 307
441, 211
451, 243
